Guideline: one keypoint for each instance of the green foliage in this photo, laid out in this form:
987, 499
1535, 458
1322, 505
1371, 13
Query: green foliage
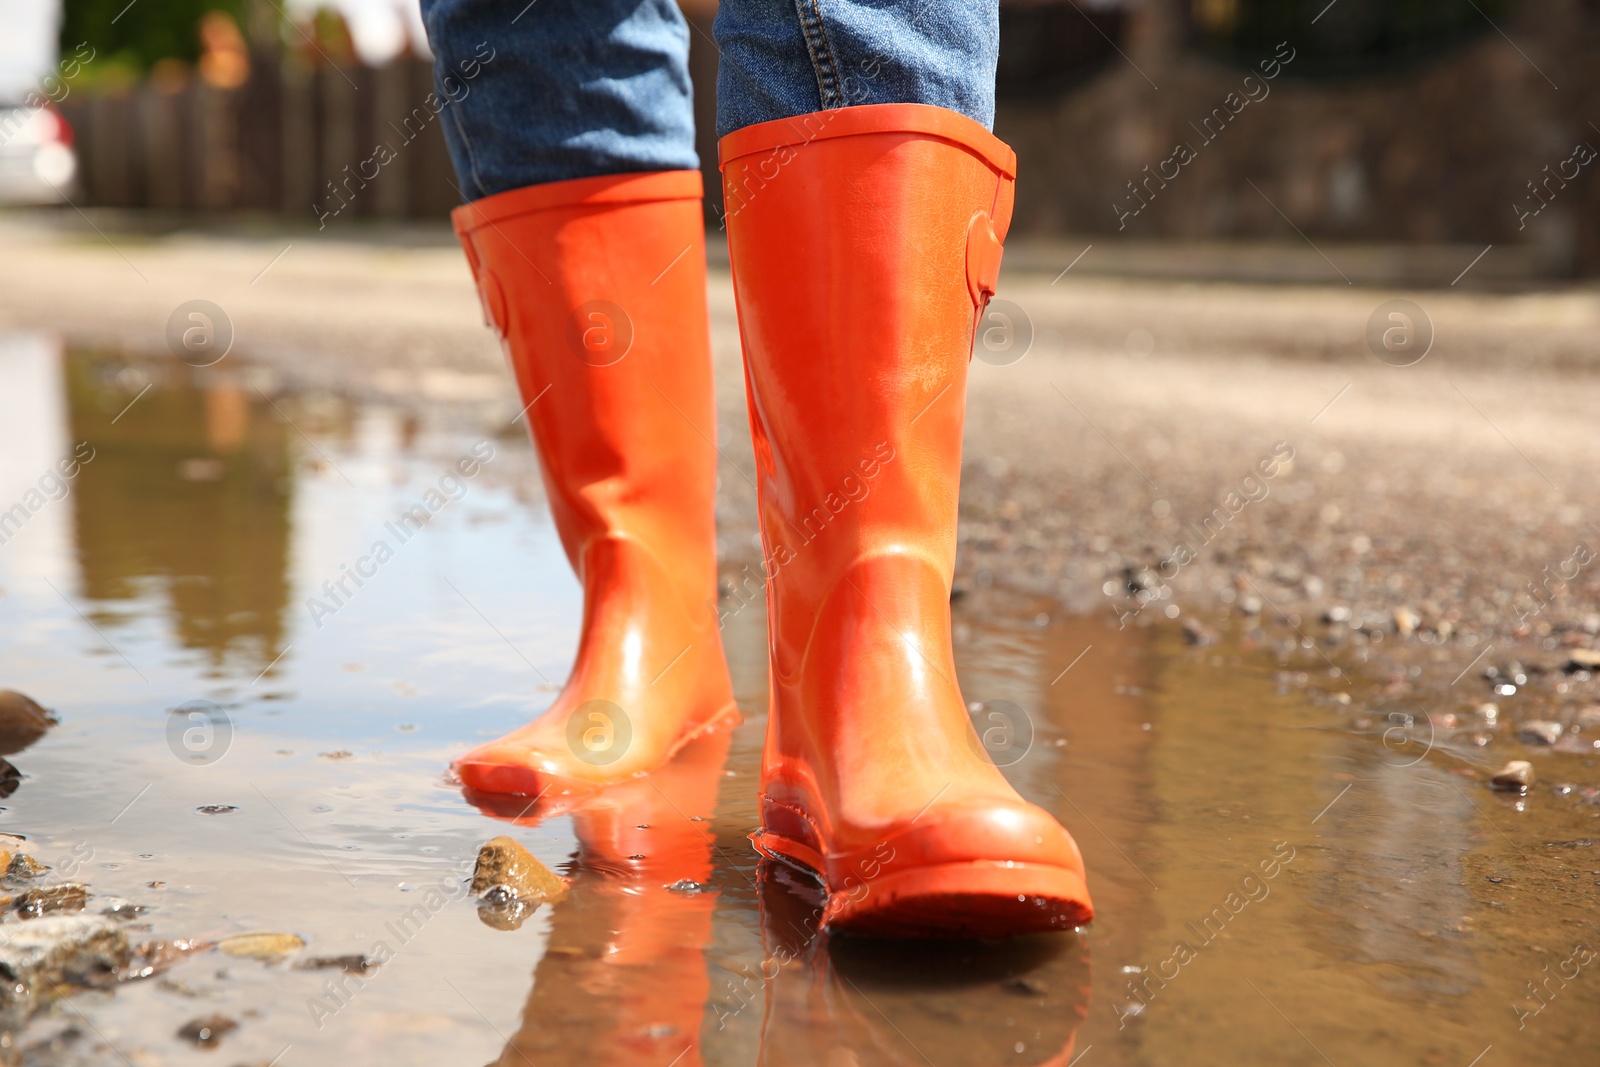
137, 35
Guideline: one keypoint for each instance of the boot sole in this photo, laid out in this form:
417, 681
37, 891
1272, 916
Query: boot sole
979, 898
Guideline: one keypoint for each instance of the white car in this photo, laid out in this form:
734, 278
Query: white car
37, 163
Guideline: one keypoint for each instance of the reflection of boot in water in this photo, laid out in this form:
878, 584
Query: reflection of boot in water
624, 978
863, 1002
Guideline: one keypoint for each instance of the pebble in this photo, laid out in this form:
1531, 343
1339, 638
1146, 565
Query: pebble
1583, 659
118, 908
153, 957
1541, 732
24, 867
216, 809
355, 963
510, 883
502, 862
206, 1032
67, 896
260, 946
36, 956
1196, 634
1406, 621
22, 722
1514, 777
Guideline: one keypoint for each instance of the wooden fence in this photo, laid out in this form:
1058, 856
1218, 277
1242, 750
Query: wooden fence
323, 143
288, 141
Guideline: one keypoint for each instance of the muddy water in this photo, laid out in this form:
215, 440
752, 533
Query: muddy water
1277, 882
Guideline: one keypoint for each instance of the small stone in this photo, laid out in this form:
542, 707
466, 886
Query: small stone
68, 896
355, 963
1336, 614
1406, 621
1250, 605
206, 1032
22, 722
503, 862
510, 884
118, 908
1541, 732
1196, 634
10, 778
216, 809
1514, 777
260, 946
1583, 659
38, 956
153, 957
24, 867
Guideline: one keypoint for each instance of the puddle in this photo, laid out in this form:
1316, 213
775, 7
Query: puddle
1274, 884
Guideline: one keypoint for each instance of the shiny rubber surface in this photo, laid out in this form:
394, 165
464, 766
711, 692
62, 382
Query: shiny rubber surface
597, 289
861, 257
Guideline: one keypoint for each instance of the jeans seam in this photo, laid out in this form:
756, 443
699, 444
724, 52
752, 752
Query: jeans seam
821, 53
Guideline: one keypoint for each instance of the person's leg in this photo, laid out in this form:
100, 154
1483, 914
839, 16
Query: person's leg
574, 145
570, 89
782, 58
865, 241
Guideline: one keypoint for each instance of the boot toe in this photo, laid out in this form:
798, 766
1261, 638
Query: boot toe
983, 868
514, 770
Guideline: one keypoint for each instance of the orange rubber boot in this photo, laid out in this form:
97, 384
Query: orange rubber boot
597, 288
864, 243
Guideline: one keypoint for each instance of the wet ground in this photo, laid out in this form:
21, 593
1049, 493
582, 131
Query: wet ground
1292, 843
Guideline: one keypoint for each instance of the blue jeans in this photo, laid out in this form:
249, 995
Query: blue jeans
563, 89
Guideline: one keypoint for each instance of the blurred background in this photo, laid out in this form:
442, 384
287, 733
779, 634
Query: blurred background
1397, 122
